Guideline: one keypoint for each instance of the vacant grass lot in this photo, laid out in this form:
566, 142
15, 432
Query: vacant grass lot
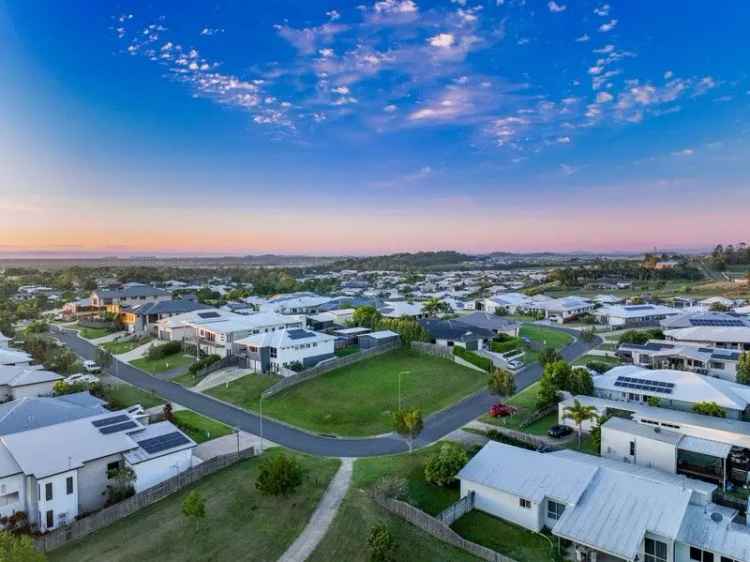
245, 391
118, 347
124, 395
200, 428
95, 333
359, 399
169, 363
240, 523
347, 537
545, 337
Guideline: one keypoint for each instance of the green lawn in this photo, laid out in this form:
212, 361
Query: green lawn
545, 337
200, 428
118, 347
359, 399
245, 391
95, 333
346, 540
240, 523
169, 363
124, 395
506, 538
344, 351
613, 361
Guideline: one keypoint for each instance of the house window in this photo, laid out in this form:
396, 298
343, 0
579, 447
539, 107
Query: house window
554, 510
69, 485
48, 491
701, 555
526, 504
632, 448
655, 551
725, 559
50, 519
112, 467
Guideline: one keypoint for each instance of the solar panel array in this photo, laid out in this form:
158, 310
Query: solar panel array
110, 421
115, 428
717, 323
163, 442
645, 384
298, 334
208, 314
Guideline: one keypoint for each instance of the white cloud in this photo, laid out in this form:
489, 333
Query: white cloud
308, 39
442, 40
341, 90
596, 69
684, 152
609, 26
605, 50
604, 97
211, 31
568, 170
668, 74
602, 10
325, 53
333, 15
563, 140
555, 7
583, 38
390, 108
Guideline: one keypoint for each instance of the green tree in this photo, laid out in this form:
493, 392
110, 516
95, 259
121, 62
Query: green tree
653, 401
596, 431
122, 484
548, 392
743, 368
408, 424
18, 548
579, 414
580, 382
442, 467
709, 409
194, 507
381, 544
279, 475
501, 382
434, 306
588, 335
560, 372
549, 355
366, 316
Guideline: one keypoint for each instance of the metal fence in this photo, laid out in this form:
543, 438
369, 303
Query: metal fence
327, 367
440, 530
109, 515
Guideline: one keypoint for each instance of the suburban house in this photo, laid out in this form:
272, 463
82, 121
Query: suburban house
11, 357
449, 333
26, 382
657, 354
131, 294
181, 327
679, 390
565, 309
611, 511
80, 455
402, 309
715, 319
378, 339
331, 319
79, 308
633, 315
281, 350
509, 302
218, 337
492, 322
295, 303
24, 414
349, 336
725, 337
143, 318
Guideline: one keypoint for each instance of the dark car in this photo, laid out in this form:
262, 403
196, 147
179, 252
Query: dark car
559, 431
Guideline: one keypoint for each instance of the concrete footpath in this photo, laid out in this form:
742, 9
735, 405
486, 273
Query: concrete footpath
322, 518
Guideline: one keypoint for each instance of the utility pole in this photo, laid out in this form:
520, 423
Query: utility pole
261, 424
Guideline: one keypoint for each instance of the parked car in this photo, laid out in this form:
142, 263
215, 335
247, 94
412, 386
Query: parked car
559, 431
92, 367
81, 378
501, 410
515, 363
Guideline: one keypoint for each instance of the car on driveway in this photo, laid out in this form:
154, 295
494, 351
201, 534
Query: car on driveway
92, 367
501, 410
559, 431
81, 378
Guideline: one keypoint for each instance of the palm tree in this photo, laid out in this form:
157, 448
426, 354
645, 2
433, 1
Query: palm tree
433, 306
579, 414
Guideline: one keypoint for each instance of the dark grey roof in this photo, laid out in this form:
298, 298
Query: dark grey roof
178, 306
32, 413
488, 321
454, 330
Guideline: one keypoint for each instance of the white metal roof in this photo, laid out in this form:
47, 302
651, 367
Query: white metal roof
711, 528
704, 446
22, 376
10, 357
727, 334
635, 311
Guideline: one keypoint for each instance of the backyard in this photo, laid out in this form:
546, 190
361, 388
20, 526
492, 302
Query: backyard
240, 522
359, 399
359, 512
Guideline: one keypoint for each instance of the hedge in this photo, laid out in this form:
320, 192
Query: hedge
161, 351
505, 346
473, 358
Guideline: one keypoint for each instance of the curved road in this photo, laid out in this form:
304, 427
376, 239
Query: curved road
437, 425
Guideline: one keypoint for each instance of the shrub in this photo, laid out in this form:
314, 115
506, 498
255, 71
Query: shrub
157, 352
279, 475
194, 507
19, 548
442, 467
549, 355
202, 363
382, 546
598, 366
394, 487
473, 358
505, 346
501, 382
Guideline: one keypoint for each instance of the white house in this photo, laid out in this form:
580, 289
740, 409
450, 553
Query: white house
566, 309
131, 294
634, 315
26, 382
611, 511
218, 337
726, 337
57, 472
679, 390
277, 350
402, 309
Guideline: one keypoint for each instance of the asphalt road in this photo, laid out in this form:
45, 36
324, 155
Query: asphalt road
437, 425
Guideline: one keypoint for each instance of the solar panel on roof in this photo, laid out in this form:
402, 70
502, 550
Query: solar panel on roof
645, 384
115, 428
109, 421
298, 334
713, 322
163, 442
209, 314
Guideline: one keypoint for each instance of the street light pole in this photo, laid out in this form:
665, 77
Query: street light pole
261, 424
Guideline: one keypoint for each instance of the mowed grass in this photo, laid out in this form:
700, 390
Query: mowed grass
240, 523
95, 333
544, 337
124, 395
359, 399
169, 363
347, 537
200, 428
118, 347
245, 391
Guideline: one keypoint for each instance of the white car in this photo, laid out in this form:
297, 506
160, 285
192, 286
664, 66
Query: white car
92, 367
79, 378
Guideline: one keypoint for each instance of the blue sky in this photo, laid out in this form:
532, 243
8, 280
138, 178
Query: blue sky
323, 127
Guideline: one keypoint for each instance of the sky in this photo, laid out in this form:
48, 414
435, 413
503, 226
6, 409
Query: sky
132, 128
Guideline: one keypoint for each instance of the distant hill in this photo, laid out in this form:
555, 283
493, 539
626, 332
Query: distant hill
405, 261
